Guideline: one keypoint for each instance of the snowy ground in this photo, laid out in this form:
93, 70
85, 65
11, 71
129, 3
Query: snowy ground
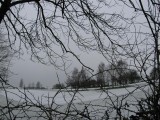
63, 97
96, 100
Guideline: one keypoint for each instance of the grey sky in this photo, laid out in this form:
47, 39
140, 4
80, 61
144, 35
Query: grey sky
31, 71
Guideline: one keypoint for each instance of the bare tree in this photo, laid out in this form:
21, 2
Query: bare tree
75, 78
101, 76
122, 68
5, 57
150, 11
84, 78
79, 79
98, 26
40, 31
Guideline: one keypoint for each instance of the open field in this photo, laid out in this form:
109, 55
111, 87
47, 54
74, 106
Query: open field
95, 101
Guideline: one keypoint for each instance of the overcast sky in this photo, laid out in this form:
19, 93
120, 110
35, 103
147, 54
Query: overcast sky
31, 71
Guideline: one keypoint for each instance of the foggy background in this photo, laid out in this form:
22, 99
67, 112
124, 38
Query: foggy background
29, 71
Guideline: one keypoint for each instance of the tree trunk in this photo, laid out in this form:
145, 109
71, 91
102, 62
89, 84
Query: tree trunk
4, 8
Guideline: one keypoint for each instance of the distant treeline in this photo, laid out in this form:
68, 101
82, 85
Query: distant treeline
32, 85
114, 74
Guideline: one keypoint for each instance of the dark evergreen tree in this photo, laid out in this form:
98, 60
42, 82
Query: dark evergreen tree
154, 75
21, 84
133, 76
38, 85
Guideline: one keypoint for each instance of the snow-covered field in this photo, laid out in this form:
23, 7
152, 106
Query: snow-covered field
45, 96
63, 97
98, 99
